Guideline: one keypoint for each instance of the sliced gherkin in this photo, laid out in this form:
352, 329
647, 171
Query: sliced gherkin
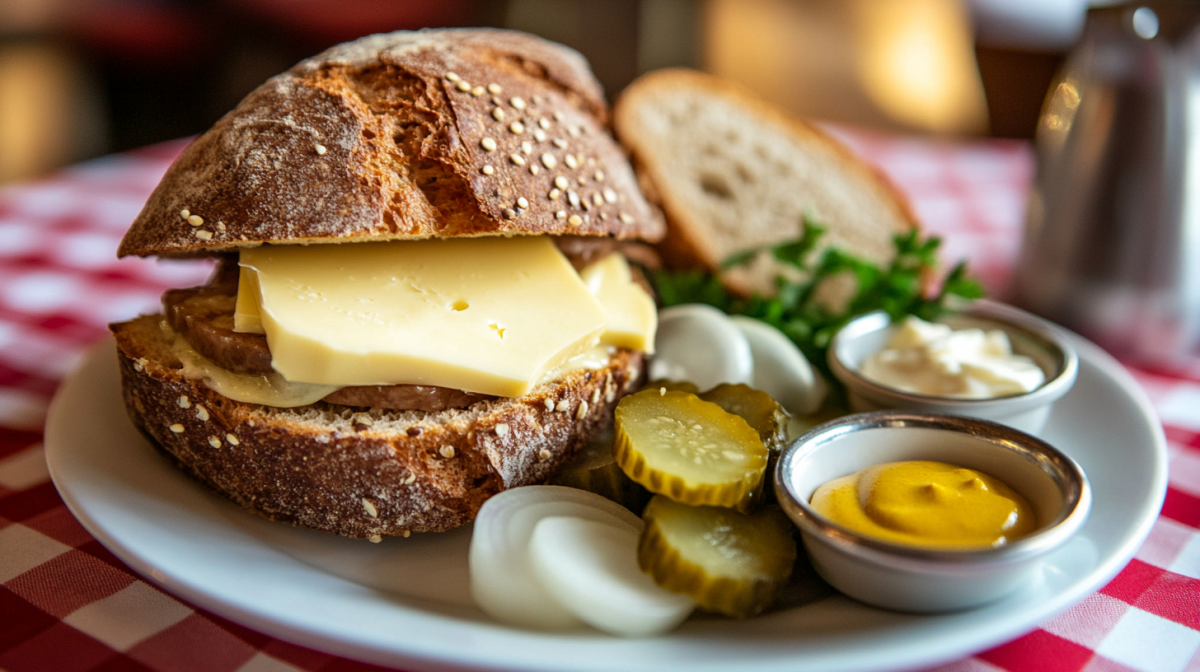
729, 562
763, 414
595, 470
691, 450
758, 409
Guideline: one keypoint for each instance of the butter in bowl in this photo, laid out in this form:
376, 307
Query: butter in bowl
957, 366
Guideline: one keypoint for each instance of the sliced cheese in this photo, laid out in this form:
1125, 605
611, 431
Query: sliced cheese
246, 316
487, 315
632, 317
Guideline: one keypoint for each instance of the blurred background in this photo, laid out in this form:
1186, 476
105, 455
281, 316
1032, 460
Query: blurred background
80, 78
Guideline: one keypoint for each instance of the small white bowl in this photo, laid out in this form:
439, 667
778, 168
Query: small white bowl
907, 578
1030, 336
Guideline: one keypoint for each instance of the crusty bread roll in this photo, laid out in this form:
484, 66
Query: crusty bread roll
732, 172
410, 135
405, 136
356, 472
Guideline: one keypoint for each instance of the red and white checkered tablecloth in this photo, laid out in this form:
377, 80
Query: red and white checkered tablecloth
66, 603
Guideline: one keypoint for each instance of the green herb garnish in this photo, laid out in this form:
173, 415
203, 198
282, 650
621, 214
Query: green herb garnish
897, 288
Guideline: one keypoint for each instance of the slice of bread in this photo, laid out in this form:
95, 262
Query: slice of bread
404, 136
732, 172
358, 473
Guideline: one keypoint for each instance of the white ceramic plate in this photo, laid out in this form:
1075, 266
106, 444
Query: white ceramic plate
405, 602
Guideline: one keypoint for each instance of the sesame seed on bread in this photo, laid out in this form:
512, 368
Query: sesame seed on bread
404, 136
362, 473
733, 172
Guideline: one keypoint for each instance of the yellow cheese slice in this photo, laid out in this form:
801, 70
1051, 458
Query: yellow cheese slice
632, 317
246, 316
487, 315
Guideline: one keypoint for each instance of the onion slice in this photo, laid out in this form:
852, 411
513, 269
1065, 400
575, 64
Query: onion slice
591, 567
503, 580
698, 343
780, 369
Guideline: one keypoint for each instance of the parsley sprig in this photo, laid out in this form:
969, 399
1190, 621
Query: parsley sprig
898, 288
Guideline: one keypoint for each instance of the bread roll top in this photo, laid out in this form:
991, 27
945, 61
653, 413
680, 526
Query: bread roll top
403, 136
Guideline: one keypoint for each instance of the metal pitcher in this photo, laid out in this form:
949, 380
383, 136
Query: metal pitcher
1112, 239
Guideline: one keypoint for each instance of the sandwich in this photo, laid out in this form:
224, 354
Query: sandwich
421, 295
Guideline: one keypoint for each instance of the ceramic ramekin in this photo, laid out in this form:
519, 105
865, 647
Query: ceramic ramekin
908, 578
1030, 335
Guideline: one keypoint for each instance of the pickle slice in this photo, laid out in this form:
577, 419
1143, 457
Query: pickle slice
595, 470
766, 417
688, 449
730, 563
758, 409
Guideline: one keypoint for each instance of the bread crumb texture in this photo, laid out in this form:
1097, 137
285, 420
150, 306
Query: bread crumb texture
732, 172
315, 466
408, 135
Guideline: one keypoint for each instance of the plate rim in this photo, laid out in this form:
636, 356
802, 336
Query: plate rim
428, 656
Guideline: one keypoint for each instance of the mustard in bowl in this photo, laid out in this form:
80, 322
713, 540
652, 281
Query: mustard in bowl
926, 504
905, 572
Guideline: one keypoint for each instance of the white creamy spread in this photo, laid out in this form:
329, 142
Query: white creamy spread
593, 359
268, 390
274, 390
933, 359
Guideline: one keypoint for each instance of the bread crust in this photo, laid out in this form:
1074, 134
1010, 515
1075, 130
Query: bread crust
398, 137
362, 473
686, 244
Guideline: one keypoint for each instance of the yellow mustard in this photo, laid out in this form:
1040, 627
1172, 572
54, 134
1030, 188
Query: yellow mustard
930, 504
